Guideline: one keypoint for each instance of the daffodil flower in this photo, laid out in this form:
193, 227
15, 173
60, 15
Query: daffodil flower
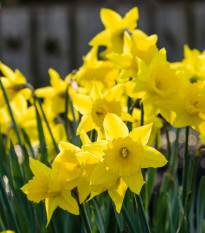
155, 82
115, 26
14, 82
54, 95
47, 185
123, 156
95, 107
95, 70
137, 45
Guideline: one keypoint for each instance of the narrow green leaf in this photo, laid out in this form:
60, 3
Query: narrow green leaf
9, 207
15, 168
27, 140
170, 213
98, 217
128, 219
47, 124
13, 120
200, 208
43, 148
142, 213
118, 218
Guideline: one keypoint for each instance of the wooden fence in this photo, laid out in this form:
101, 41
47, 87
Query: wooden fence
36, 38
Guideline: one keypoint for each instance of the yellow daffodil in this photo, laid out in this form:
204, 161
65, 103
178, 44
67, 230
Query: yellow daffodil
14, 82
93, 69
55, 94
47, 184
188, 110
154, 82
115, 26
136, 45
25, 118
76, 164
194, 63
95, 107
123, 156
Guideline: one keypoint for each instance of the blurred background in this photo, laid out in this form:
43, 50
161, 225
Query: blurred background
36, 35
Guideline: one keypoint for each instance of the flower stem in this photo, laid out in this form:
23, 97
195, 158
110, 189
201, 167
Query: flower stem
85, 219
83, 213
186, 164
142, 214
168, 143
174, 158
142, 115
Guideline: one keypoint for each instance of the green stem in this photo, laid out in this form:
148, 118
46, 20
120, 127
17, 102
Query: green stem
12, 116
14, 125
168, 143
47, 124
83, 214
66, 114
9, 207
127, 218
142, 214
174, 158
85, 219
186, 164
142, 115
93, 135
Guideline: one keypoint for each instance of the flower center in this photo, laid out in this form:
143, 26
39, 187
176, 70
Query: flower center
100, 111
124, 152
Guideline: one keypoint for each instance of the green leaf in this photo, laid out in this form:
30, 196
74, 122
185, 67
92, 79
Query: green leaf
27, 140
200, 208
119, 219
15, 169
170, 213
9, 207
43, 148
47, 124
98, 217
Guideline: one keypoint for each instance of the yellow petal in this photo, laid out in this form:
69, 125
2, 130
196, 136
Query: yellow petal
135, 182
38, 167
84, 190
86, 124
102, 38
82, 103
114, 93
96, 148
110, 19
68, 146
101, 176
67, 165
84, 138
114, 127
141, 134
19, 106
36, 188
7, 71
130, 19
117, 193
45, 92
153, 158
126, 117
68, 203
95, 92
55, 80
19, 77
51, 204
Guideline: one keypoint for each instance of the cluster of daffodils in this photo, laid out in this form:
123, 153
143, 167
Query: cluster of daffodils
104, 97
